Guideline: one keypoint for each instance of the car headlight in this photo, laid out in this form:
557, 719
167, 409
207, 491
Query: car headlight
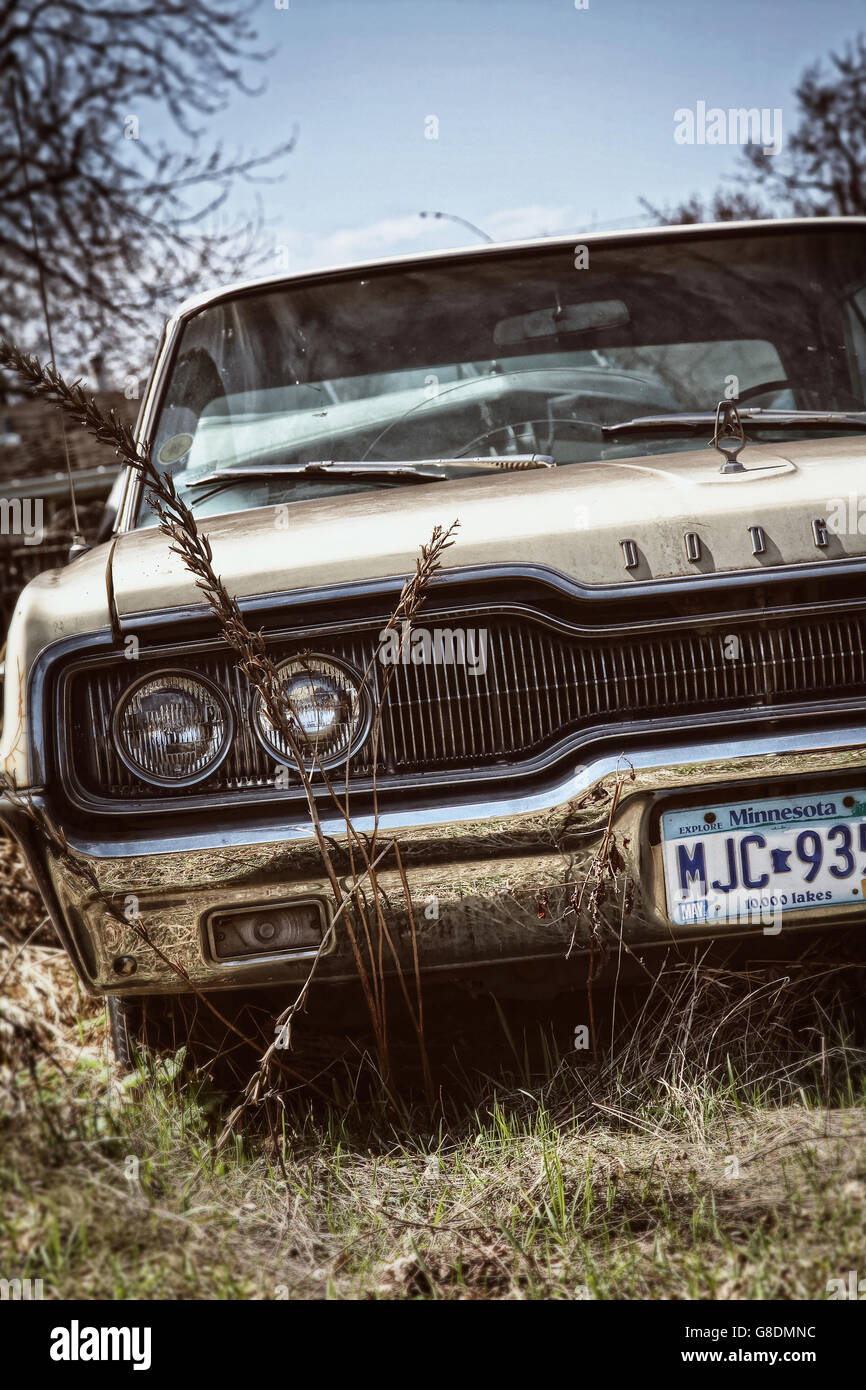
326, 707
172, 728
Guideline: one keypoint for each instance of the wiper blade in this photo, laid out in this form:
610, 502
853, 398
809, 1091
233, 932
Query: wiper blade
699, 421
413, 470
387, 472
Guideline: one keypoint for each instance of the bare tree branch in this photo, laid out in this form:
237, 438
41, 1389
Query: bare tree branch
821, 170
125, 223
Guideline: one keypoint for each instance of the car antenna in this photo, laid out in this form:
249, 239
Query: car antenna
78, 544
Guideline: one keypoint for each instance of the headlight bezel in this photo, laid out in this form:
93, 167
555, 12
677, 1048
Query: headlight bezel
365, 705
217, 694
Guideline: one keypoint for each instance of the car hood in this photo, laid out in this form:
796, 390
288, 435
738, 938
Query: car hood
573, 520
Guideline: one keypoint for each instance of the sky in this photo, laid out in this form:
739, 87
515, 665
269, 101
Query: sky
549, 118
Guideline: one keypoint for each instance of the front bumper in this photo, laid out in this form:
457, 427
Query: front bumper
504, 881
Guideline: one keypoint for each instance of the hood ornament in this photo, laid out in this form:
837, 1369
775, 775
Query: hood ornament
729, 437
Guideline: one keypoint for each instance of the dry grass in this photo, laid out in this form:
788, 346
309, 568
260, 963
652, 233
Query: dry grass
43, 1012
717, 1151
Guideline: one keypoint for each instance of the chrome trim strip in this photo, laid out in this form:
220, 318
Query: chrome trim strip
579, 781
721, 580
151, 401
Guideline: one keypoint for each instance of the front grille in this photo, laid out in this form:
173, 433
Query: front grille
544, 683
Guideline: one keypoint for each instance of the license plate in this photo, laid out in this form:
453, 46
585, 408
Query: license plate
759, 860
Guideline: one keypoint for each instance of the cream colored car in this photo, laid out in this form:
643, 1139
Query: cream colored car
631, 709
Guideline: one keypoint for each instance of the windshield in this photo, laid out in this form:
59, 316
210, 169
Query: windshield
524, 352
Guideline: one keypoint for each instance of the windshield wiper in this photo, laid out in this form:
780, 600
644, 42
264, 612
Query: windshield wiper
697, 422
412, 471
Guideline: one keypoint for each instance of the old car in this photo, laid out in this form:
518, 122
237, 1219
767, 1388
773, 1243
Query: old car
630, 710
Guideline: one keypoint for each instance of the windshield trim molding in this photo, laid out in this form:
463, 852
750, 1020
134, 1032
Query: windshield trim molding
630, 235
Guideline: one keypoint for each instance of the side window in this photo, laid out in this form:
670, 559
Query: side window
855, 314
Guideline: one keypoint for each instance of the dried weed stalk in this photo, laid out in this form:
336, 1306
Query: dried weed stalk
369, 938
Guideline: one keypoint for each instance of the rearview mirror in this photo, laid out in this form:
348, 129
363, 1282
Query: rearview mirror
565, 318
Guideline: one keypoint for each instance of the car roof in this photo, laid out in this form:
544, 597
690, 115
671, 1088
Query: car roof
636, 234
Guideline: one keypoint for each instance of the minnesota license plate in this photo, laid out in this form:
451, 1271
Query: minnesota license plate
747, 860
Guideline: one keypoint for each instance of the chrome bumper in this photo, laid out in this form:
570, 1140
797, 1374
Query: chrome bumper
503, 881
